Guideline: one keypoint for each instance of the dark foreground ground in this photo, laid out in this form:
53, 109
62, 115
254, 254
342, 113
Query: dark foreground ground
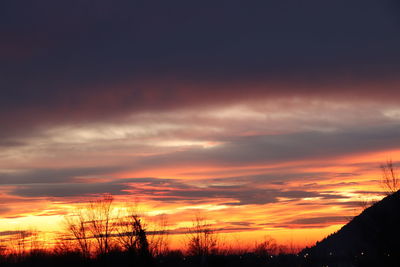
177, 259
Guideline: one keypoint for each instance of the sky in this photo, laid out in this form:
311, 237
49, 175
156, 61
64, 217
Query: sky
268, 117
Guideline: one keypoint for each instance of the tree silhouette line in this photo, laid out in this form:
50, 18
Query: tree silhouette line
98, 234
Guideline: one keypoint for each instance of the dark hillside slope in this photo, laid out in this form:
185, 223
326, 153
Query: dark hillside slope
372, 235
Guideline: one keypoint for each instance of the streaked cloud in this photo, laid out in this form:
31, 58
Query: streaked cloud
273, 111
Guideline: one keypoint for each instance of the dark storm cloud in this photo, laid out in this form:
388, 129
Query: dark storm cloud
68, 189
176, 191
80, 60
279, 176
350, 205
247, 196
241, 223
7, 233
35, 176
166, 190
155, 182
10, 143
320, 220
238, 195
283, 147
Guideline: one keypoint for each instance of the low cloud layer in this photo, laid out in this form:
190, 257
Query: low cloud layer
236, 109
82, 62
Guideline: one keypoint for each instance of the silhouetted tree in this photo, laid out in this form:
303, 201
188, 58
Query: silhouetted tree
131, 234
100, 225
266, 248
132, 238
18, 244
158, 241
202, 239
390, 178
91, 227
76, 225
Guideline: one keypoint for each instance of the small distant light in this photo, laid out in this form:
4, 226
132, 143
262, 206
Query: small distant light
362, 253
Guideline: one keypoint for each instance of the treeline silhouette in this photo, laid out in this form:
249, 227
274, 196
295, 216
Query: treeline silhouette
98, 236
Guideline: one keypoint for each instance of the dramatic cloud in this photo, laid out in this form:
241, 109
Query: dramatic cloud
82, 61
319, 221
67, 190
6, 233
279, 112
35, 176
270, 149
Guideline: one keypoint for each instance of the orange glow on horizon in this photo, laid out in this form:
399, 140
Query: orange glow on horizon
278, 219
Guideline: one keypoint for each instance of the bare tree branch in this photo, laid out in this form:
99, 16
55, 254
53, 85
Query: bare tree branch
390, 179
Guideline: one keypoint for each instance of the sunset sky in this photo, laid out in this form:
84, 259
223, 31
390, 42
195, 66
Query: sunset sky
267, 117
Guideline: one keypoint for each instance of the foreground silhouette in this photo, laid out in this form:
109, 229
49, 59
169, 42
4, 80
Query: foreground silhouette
370, 239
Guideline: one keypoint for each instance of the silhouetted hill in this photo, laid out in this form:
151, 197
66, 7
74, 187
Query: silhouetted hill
369, 238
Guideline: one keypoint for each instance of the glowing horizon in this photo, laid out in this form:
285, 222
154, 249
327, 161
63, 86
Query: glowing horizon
270, 118
300, 198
